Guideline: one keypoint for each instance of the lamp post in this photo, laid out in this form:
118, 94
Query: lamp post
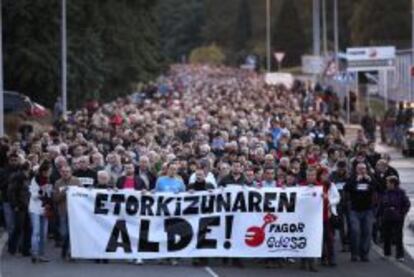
1, 75
336, 33
412, 51
316, 28
324, 29
268, 42
64, 59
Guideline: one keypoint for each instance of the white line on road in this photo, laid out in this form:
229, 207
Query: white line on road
400, 265
3, 241
209, 271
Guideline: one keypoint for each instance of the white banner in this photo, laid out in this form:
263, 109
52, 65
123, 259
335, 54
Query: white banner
231, 222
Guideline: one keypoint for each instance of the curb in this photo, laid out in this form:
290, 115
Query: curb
3, 240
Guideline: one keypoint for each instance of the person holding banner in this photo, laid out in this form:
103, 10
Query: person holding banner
200, 184
86, 176
39, 208
235, 177
311, 181
331, 199
59, 197
130, 180
170, 183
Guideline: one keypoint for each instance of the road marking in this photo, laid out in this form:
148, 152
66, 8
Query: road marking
3, 241
209, 271
401, 266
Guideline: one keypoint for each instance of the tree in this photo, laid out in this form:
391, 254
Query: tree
207, 55
181, 24
112, 44
243, 32
288, 34
382, 23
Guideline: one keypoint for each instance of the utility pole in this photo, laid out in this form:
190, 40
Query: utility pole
336, 33
412, 51
1, 74
316, 28
324, 29
268, 42
64, 59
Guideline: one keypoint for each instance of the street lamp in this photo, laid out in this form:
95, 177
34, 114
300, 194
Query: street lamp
316, 28
268, 43
1, 75
412, 50
324, 28
64, 59
336, 33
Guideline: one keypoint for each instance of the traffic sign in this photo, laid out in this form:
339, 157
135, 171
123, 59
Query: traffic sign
279, 56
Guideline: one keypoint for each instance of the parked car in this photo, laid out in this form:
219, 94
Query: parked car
15, 103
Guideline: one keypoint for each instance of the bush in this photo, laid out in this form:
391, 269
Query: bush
207, 55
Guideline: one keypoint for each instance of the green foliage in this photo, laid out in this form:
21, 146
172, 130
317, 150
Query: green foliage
382, 23
112, 44
207, 55
181, 24
288, 34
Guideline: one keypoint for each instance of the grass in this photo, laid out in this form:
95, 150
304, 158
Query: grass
377, 107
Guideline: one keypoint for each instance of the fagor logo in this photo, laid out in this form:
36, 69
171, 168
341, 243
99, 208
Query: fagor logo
255, 235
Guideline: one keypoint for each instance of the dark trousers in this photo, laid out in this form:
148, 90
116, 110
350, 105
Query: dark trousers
328, 252
361, 232
393, 231
344, 227
20, 238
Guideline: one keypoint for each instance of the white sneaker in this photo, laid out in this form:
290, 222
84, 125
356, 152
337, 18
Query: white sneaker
174, 262
291, 261
401, 260
139, 261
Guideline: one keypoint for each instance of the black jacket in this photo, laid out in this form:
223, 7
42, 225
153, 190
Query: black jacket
229, 180
18, 191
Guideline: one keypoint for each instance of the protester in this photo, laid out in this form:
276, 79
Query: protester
86, 175
130, 180
361, 194
200, 184
40, 209
59, 197
331, 199
6, 174
393, 208
340, 177
311, 181
18, 195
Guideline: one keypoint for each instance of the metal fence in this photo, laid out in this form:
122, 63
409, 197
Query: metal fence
399, 81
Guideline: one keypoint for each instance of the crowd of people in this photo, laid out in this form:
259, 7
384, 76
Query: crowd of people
200, 128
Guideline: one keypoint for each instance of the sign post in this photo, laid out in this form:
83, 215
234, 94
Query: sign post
279, 56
